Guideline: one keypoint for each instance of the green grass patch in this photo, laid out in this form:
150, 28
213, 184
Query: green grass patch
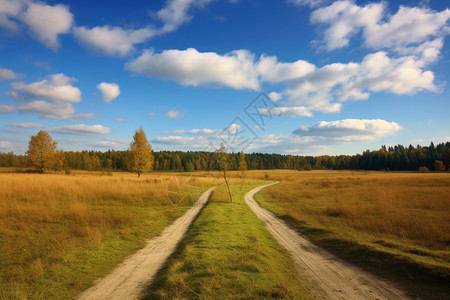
228, 254
419, 280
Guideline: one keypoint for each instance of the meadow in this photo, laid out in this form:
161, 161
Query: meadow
58, 233
395, 224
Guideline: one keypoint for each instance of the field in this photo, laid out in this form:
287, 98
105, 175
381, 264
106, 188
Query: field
61, 232
373, 219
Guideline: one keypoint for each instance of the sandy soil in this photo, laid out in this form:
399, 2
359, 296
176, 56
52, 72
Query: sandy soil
132, 276
327, 276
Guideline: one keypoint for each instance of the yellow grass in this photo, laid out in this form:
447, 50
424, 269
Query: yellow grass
406, 211
58, 232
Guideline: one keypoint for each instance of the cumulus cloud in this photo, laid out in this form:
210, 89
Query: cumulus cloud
106, 144
176, 13
81, 129
409, 27
174, 114
6, 109
310, 3
46, 22
290, 111
57, 88
204, 131
5, 145
308, 88
181, 142
350, 129
112, 143
48, 110
274, 96
190, 67
109, 91
113, 41
10, 9
25, 125
6, 74
117, 41
273, 71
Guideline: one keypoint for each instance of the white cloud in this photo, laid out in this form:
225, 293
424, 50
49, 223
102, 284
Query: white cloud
274, 96
113, 41
10, 9
174, 114
5, 145
290, 111
119, 119
190, 67
273, 71
350, 129
81, 129
310, 3
308, 88
106, 144
6, 74
204, 131
409, 28
46, 22
25, 125
48, 110
110, 91
176, 13
6, 109
233, 128
197, 142
378, 72
57, 88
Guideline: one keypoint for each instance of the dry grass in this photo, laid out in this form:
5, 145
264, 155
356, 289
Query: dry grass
407, 213
50, 222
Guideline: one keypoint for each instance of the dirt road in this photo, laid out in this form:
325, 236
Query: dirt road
132, 276
327, 276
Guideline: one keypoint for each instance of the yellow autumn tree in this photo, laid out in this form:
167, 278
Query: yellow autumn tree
41, 151
140, 158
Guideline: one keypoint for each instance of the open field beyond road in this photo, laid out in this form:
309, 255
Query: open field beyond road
396, 225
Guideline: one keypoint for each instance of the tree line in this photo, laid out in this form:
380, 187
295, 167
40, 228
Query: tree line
141, 158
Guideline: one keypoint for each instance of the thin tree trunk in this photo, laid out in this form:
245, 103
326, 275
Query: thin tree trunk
226, 181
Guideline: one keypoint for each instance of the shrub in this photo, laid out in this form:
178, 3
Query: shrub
439, 166
423, 170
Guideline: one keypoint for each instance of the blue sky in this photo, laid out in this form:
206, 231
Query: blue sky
292, 77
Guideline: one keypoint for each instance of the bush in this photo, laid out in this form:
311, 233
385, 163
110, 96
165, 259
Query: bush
439, 166
423, 170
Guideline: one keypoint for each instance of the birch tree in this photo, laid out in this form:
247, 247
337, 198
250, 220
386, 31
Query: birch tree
140, 158
41, 151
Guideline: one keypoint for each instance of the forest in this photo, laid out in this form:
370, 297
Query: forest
386, 158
